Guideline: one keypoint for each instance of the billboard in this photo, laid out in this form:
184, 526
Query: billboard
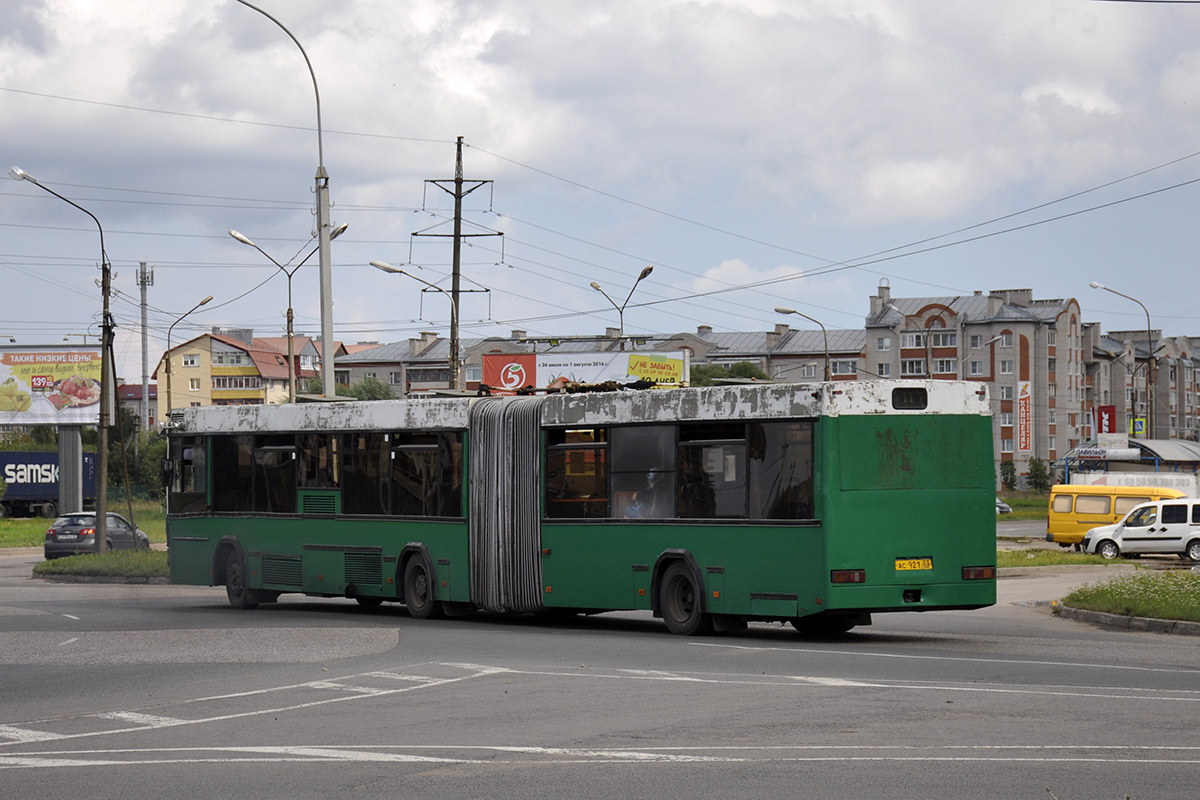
509, 372
1024, 416
53, 385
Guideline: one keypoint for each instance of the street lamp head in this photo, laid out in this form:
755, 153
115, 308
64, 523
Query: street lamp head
645, 273
784, 310
386, 267
241, 238
338, 231
596, 286
1097, 285
205, 301
18, 174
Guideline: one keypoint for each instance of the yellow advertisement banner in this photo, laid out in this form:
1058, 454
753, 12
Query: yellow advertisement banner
49, 386
661, 370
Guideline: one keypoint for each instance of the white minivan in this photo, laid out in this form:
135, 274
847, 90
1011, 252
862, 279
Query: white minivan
1162, 526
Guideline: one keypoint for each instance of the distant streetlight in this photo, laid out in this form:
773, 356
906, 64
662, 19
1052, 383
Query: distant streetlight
645, 273
924, 335
324, 233
455, 365
338, 231
962, 368
106, 339
785, 310
169, 331
1152, 366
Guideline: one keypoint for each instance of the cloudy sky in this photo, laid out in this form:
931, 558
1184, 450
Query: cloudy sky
755, 152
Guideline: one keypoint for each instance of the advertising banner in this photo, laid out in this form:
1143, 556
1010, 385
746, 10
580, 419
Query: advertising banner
1106, 419
507, 373
49, 385
1024, 416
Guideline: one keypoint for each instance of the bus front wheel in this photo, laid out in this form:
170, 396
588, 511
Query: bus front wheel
682, 603
235, 583
418, 589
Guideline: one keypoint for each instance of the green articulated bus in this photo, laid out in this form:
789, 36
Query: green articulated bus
815, 504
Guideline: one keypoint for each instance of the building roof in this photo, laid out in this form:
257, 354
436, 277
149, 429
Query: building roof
813, 343
133, 391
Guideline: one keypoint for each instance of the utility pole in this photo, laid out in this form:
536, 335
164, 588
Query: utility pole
145, 278
456, 189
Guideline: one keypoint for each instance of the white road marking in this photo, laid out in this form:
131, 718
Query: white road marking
146, 720
18, 735
68, 641
71, 616
141, 722
989, 661
518, 755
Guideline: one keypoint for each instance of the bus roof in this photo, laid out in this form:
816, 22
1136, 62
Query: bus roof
735, 402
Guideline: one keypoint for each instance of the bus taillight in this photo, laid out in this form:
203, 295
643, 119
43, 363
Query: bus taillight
978, 573
848, 576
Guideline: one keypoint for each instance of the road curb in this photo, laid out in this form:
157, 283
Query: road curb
103, 579
1125, 623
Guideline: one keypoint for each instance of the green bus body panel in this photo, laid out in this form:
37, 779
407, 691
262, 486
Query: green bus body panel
603, 565
911, 487
332, 553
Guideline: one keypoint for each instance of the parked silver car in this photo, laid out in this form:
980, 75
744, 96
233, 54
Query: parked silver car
1162, 526
76, 533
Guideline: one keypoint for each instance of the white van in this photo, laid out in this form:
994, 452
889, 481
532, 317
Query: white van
1162, 526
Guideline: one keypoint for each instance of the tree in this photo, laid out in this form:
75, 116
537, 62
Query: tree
1038, 476
745, 370
370, 389
1008, 475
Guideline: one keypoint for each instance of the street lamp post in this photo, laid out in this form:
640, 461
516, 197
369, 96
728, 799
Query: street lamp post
962, 367
171, 329
289, 273
1151, 366
645, 273
455, 365
106, 382
323, 230
824, 333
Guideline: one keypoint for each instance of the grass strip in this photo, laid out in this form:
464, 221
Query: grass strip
1171, 594
113, 564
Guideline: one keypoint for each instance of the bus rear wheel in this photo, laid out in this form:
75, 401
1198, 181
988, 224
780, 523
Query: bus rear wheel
682, 603
418, 590
235, 584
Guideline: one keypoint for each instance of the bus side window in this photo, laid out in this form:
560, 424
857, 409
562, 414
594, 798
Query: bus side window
781, 470
577, 473
189, 485
712, 471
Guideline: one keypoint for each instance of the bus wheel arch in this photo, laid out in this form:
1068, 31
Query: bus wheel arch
677, 594
418, 583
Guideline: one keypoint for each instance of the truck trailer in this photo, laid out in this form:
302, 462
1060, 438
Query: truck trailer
32, 480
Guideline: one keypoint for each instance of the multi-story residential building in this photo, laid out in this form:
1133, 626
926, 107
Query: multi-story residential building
1029, 352
219, 369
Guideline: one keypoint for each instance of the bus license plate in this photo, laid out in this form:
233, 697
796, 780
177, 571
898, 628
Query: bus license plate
914, 563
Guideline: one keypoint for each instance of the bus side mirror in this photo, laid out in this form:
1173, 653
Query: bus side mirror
167, 468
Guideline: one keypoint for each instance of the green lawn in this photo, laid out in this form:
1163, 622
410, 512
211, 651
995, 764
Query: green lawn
32, 532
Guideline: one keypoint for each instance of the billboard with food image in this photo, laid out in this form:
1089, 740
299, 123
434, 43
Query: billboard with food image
49, 385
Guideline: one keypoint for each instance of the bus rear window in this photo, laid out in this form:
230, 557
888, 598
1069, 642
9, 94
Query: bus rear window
910, 398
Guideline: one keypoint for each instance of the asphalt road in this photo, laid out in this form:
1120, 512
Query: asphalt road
149, 691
